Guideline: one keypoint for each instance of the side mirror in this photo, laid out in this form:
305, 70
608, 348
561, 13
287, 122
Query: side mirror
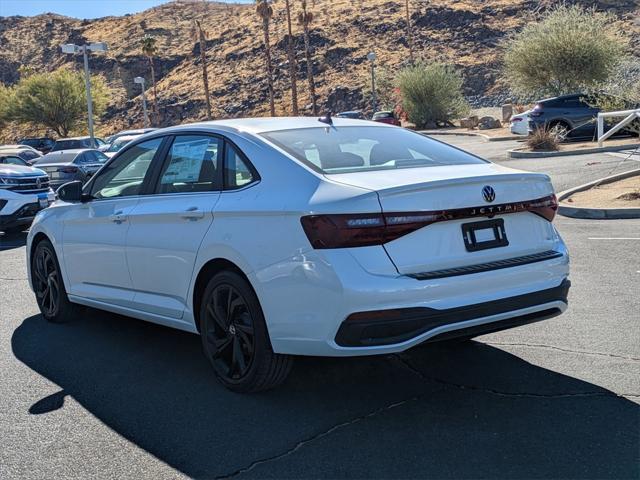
70, 192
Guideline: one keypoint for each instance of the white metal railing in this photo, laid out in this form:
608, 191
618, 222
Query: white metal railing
629, 116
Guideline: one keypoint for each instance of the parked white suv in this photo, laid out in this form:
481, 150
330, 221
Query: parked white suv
276, 237
24, 191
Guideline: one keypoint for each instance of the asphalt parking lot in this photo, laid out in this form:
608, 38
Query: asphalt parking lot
106, 396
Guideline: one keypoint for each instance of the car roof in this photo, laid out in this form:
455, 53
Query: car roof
128, 137
73, 138
16, 146
269, 124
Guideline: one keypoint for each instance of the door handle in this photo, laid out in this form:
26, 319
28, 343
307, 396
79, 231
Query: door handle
118, 217
192, 213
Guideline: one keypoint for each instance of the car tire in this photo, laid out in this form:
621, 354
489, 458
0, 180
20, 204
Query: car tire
560, 129
51, 294
235, 339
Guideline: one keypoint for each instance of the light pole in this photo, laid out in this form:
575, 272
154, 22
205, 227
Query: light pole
371, 56
93, 47
140, 80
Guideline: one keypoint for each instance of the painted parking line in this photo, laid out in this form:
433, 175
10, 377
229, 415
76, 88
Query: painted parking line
614, 238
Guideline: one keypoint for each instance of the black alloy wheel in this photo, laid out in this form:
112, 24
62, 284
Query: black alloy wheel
46, 282
48, 285
234, 336
229, 333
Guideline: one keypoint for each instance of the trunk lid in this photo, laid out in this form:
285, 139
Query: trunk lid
442, 245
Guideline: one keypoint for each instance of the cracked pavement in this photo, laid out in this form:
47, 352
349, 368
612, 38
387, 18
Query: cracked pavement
106, 396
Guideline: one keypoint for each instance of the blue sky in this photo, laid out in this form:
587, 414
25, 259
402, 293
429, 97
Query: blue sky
78, 8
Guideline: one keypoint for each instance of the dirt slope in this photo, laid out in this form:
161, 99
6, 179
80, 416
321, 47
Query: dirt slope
464, 32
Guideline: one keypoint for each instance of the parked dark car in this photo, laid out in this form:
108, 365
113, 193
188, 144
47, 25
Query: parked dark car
357, 115
386, 117
68, 165
43, 144
76, 143
25, 154
12, 160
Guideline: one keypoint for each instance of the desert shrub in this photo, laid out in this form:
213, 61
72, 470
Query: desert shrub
542, 139
570, 49
431, 93
56, 100
621, 91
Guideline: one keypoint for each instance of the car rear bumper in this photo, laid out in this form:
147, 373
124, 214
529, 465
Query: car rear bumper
309, 301
396, 326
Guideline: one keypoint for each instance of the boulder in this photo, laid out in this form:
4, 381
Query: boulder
469, 122
487, 123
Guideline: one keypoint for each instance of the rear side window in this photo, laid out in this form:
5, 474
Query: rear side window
191, 165
347, 149
237, 172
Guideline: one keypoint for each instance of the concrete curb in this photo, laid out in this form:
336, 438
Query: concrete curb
598, 213
517, 153
473, 134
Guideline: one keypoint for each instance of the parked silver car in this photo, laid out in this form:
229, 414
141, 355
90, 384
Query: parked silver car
67, 165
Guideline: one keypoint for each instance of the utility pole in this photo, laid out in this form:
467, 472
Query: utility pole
140, 80
371, 56
85, 49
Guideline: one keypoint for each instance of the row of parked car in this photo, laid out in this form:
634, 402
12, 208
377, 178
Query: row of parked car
32, 169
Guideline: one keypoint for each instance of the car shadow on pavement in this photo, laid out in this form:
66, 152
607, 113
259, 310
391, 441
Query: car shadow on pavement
15, 240
467, 410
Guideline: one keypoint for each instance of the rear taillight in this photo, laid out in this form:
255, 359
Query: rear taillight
545, 207
68, 169
366, 229
536, 111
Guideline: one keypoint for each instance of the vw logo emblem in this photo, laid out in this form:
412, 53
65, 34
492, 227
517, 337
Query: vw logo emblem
38, 183
489, 194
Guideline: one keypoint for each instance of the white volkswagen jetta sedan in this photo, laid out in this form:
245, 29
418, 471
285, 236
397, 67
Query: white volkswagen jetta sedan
275, 237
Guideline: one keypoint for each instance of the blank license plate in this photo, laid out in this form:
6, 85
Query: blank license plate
483, 235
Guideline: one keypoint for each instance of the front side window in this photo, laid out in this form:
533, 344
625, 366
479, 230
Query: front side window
124, 176
237, 173
346, 149
191, 165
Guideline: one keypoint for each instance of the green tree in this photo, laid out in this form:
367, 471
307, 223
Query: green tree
6, 99
431, 93
56, 100
570, 49
150, 50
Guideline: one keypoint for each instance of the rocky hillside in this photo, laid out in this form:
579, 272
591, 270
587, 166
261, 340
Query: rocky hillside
466, 33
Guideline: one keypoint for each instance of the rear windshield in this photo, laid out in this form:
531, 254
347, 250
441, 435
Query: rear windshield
70, 144
348, 149
57, 158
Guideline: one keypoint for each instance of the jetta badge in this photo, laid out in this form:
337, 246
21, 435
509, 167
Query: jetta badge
489, 193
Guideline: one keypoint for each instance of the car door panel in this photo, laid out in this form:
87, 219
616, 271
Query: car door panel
162, 245
167, 227
95, 232
95, 260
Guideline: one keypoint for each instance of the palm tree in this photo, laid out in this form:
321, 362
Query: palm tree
409, 31
265, 12
149, 49
292, 62
201, 37
304, 19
